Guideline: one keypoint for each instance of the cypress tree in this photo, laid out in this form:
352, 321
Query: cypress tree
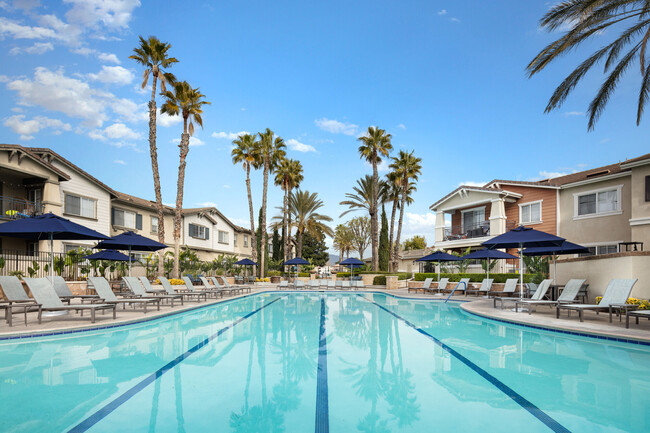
384, 247
276, 246
259, 245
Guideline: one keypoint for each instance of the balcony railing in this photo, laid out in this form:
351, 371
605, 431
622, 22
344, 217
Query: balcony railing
477, 230
14, 208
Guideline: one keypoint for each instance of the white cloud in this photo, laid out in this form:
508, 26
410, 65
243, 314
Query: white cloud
37, 48
454, 20
472, 183
401, 126
573, 113
294, 144
336, 127
27, 128
207, 204
114, 14
26, 5
605, 140
55, 91
127, 109
119, 161
229, 135
18, 31
113, 75
108, 58
442, 12
419, 224
226, 186
120, 130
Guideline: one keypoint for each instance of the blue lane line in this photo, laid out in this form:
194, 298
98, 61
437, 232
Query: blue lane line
514, 395
322, 398
110, 407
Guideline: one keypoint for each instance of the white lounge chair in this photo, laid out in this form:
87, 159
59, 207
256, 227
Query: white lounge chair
231, 289
236, 286
425, 286
442, 285
141, 287
508, 289
459, 286
171, 291
616, 294
284, 284
537, 296
43, 292
208, 288
300, 285
16, 299
331, 285
104, 291
63, 291
486, 285
568, 296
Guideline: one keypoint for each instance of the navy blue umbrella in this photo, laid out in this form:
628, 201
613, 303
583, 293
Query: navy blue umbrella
111, 255
132, 242
48, 226
566, 248
246, 262
488, 254
439, 256
521, 237
295, 261
352, 262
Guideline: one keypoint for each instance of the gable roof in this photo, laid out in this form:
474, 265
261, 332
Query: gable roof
140, 202
472, 188
46, 155
34, 157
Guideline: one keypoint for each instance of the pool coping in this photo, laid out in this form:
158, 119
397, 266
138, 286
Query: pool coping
560, 328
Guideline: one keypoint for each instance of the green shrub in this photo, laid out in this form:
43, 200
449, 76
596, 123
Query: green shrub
303, 274
380, 280
274, 273
474, 278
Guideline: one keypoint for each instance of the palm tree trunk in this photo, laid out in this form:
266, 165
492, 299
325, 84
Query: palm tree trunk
185, 147
263, 231
373, 214
299, 246
399, 225
252, 215
285, 222
392, 226
156, 175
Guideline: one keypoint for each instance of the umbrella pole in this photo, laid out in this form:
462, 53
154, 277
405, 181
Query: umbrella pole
554, 270
52, 257
521, 271
438, 270
488, 268
129, 260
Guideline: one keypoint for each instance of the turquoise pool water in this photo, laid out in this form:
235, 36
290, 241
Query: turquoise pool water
302, 362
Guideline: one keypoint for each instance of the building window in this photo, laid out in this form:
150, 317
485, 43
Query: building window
223, 237
32, 248
154, 224
245, 241
234, 240
595, 203
473, 218
647, 188
600, 249
530, 213
80, 206
127, 219
199, 232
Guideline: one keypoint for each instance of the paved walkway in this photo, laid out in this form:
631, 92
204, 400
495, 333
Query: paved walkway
544, 317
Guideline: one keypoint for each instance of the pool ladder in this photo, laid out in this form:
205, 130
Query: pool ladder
452, 292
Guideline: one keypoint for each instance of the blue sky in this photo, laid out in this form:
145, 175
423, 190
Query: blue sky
446, 79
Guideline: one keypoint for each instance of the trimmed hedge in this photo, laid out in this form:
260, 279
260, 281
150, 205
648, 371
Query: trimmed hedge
380, 280
474, 278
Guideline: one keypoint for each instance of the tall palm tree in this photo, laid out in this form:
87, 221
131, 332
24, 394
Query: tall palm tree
392, 194
187, 102
362, 197
245, 153
288, 176
375, 144
271, 151
592, 18
304, 205
152, 54
343, 240
407, 168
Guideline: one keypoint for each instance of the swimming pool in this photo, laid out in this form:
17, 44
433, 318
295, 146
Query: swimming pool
323, 362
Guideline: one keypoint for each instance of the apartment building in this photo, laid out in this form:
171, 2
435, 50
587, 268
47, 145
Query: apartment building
38, 180
606, 209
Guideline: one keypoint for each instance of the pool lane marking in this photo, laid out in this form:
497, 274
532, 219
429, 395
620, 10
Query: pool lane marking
514, 395
322, 396
110, 407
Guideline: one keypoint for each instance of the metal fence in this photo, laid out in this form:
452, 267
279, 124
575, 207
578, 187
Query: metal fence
14, 208
37, 264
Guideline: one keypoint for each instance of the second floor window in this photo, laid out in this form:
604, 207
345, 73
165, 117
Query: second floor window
223, 237
127, 219
80, 206
234, 239
245, 241
199, 232
154, 224
531, 212
600, 202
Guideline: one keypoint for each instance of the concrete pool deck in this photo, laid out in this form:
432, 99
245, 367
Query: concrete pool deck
544, 317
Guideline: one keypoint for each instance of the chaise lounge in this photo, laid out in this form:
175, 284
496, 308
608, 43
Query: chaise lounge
616, 294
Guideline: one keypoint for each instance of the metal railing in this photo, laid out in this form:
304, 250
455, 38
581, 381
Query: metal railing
476, 230
14, 208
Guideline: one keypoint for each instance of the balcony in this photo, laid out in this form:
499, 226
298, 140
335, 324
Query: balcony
14, 208
476, 230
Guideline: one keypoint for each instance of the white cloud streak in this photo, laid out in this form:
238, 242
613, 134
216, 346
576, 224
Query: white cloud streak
336, 127
294, 144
